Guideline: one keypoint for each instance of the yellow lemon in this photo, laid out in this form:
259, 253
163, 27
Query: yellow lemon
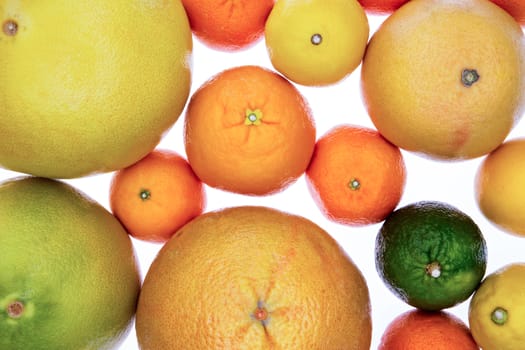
497, 310
89, 85
316, 42
499, 186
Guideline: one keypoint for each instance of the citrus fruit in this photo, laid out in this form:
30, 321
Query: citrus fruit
248, 130
228, 25
516, 8
445, 79
355, 176
430, 255
68, 274
497, 309
156, 196
381, 7
253, 278
424, 330
316, 42
89, 86
499, 186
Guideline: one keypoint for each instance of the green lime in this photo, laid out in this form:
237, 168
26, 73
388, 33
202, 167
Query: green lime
431, 255
68, 273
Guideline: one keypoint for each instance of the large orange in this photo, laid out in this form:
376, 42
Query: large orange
515, 7
228, 25
248, 130
253, 278
446, 78
156, 196
356, 177
422, 330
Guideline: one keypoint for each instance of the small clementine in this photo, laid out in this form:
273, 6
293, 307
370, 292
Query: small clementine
424, 330
356, 176
157, 195
228, 25
381, 7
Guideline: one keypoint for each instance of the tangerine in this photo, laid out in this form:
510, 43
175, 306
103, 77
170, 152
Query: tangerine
423, 330
516, 8
356, 177
156, 196
248, 130
381, 7
228, 25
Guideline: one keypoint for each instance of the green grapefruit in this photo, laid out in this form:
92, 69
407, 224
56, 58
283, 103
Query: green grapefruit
68, 273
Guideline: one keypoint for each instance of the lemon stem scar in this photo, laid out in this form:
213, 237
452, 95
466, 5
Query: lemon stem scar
499, 316
316, 39
469, 77
144, 194
10, 27
15, 309
253, 117
354, 184
433, 270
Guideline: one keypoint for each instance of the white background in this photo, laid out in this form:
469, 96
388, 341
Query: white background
450, 182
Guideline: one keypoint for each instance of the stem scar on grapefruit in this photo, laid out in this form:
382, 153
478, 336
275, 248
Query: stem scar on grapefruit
69, 277
89, 86
253, 278
248, 130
